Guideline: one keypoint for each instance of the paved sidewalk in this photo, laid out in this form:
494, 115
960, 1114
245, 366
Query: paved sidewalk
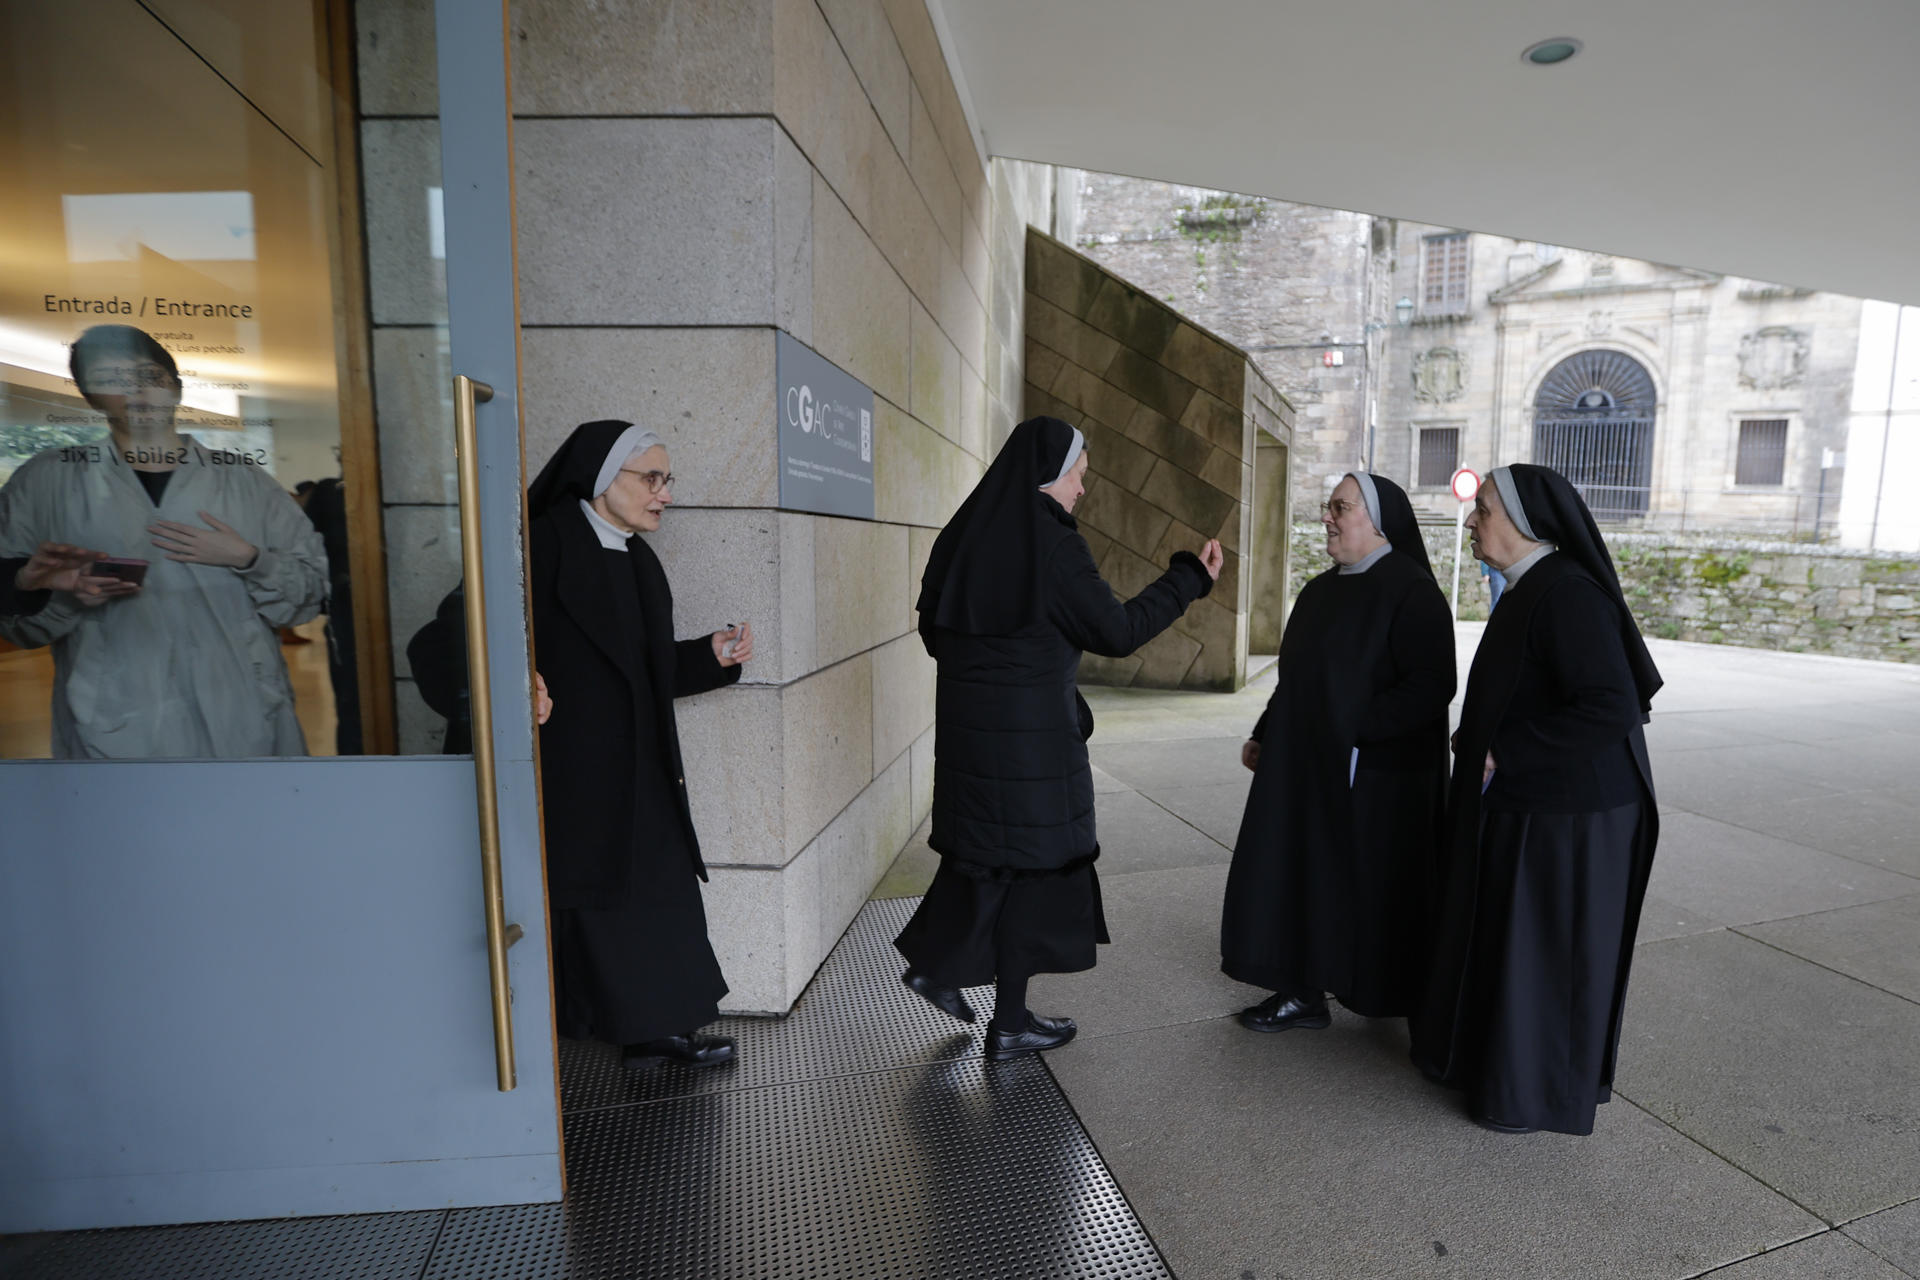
1766, 1124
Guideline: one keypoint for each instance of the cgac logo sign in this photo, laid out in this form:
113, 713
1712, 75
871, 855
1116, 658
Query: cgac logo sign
823, 420
800, 408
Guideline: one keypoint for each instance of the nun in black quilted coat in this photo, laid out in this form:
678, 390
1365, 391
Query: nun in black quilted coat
1010, 600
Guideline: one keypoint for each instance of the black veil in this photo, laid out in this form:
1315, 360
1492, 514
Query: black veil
983, 577
1557, 514
1399, 524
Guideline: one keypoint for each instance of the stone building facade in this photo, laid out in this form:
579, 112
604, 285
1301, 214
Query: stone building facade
1679, 399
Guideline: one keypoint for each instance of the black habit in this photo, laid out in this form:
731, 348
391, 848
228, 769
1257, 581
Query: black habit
1338, 855
631, 955
1010, 599
1548, 865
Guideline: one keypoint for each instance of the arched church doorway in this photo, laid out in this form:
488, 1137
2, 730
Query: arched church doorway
1593, 423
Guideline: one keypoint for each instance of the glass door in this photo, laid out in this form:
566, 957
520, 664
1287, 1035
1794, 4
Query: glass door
272, 914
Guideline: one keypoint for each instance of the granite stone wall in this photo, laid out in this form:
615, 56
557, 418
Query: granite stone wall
1172, 415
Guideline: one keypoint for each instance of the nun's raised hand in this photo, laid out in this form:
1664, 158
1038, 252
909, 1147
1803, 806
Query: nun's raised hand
742, 636
1212, 557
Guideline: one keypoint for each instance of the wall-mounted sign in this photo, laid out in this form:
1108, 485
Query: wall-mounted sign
825, 434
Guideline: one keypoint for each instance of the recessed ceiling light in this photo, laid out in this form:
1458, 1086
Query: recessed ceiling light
1548, 52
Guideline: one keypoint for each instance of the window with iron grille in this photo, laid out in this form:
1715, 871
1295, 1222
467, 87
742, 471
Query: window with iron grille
1439, 456
1444, 275
1763, 452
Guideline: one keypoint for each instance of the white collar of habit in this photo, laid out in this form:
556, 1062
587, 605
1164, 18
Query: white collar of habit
610, 536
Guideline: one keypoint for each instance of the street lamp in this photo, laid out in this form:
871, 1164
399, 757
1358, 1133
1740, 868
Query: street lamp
1403, 312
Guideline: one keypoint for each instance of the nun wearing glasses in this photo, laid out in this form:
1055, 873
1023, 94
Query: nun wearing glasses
632, 964
1552, 822
1010, 599
1337, 860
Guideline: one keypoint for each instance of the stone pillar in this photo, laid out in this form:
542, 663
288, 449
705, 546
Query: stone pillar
694, 175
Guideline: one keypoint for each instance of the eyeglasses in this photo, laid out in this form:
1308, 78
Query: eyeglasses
654, 480
1338, 507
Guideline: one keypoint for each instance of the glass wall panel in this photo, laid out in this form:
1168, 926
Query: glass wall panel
204, 296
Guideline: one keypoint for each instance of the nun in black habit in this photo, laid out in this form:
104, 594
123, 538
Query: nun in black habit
632, 963
1010, 599
1552, 822
1338, 854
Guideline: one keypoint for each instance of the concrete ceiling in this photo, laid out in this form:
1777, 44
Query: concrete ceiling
1772, 139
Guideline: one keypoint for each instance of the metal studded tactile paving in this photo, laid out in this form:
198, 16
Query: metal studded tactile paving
370, 1246
957, 1169
862, 1136
856, 1015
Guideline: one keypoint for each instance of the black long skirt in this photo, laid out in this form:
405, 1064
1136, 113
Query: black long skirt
639, 972
970, 929
1538, 1026
1305, 920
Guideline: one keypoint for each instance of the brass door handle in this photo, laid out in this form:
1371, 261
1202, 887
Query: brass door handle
466, 395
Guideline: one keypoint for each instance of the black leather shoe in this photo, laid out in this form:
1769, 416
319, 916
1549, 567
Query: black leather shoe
1488, 1122
946, 999
692, 1049
1283, 1013
1052, 1026
1002, 1045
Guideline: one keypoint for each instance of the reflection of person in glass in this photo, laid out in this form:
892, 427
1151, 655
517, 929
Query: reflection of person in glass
632, 963
183, 659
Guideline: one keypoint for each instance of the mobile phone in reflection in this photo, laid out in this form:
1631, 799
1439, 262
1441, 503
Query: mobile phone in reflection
134, 571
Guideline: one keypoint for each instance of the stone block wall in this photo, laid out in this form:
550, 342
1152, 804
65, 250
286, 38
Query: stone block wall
1171, 414
691, 177
1770, 595
1796, 597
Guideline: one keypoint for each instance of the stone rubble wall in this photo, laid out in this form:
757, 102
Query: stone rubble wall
1795, 597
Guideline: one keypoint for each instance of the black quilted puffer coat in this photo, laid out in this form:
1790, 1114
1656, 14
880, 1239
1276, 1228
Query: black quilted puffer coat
1012, 790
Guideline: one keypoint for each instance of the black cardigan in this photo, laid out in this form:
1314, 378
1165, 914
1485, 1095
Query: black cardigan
1561, 743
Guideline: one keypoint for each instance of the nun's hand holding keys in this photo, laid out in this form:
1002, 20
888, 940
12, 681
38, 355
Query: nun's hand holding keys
734, 646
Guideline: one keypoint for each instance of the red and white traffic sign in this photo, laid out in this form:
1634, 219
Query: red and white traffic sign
1465, 484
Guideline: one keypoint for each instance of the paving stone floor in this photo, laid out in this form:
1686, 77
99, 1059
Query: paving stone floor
1767, 1117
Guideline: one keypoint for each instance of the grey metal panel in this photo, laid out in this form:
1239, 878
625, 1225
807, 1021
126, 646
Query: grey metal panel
477, 175
252, 989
